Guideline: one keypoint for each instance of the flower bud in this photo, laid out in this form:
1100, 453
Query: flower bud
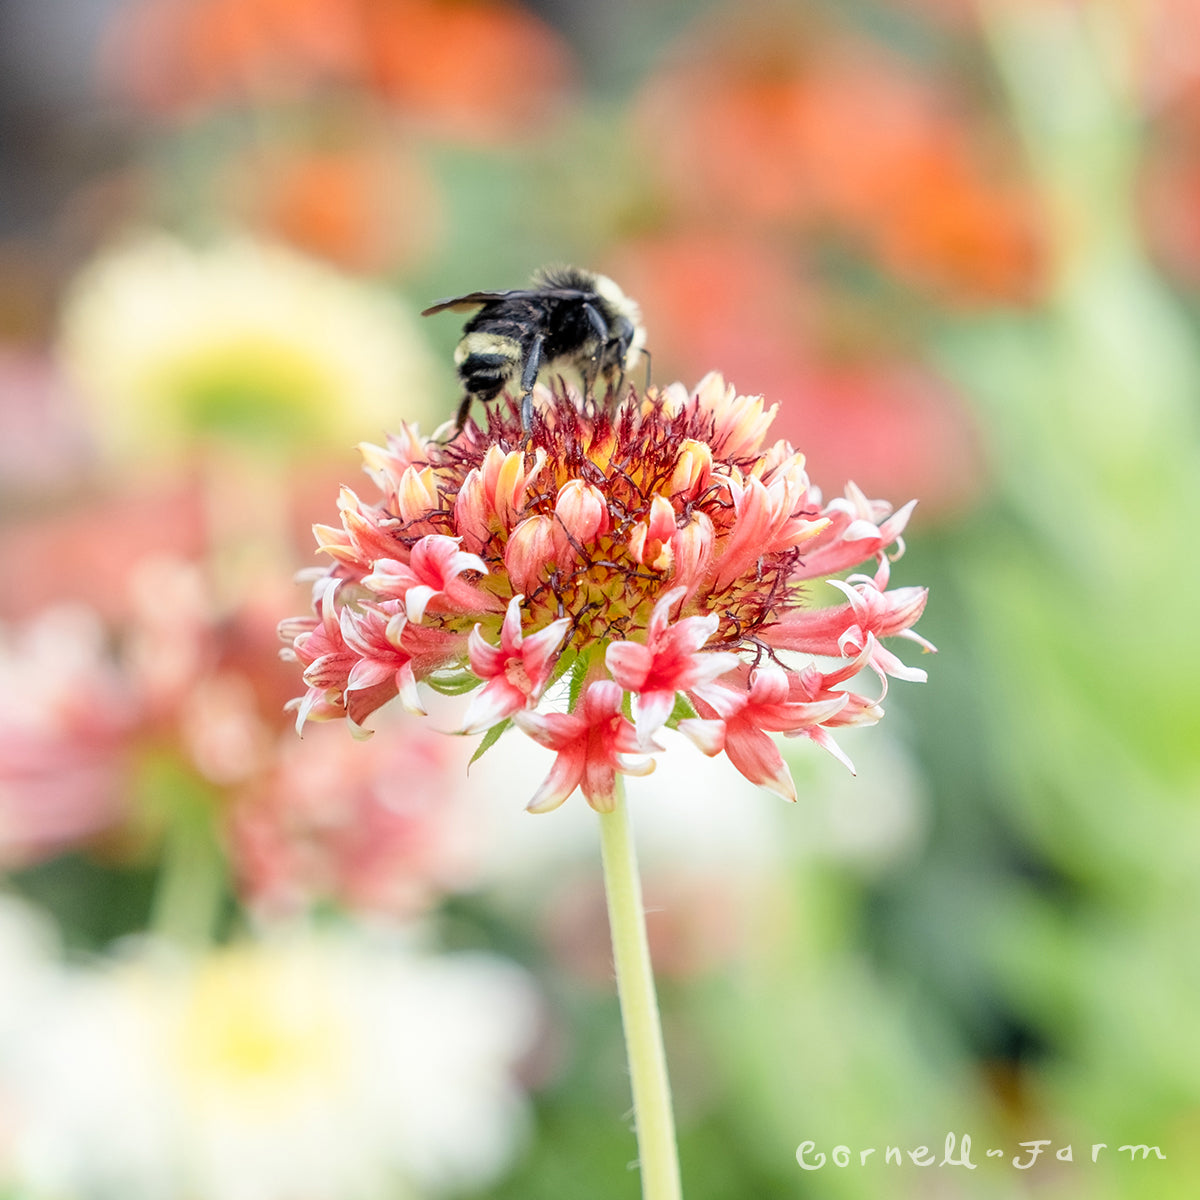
692, 547
471, 512
505, 481
583, 513
650, 541
692, 470
417, 493
529, 552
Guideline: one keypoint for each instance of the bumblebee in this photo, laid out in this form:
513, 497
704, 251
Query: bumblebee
567, 318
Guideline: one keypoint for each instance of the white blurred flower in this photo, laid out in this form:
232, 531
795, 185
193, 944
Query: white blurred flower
702, 814
244, 341
27, 945
714, 849
699, 813
331, 1067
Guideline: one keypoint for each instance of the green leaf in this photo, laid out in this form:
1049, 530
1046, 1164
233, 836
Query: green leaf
489, 740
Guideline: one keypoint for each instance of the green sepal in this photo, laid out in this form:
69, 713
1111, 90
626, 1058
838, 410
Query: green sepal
683, 711
457, 683
579, 671
565, 662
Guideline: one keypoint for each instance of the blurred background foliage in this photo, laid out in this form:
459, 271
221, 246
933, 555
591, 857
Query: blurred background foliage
958, 242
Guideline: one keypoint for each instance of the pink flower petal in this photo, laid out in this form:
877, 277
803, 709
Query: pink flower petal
707, 735
539, 651
496, 700
564, 777
653, 709
758, 758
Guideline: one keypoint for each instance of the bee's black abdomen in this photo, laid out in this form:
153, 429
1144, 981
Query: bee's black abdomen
483, 365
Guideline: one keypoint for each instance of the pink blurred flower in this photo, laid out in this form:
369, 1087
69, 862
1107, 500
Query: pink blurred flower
699, 925
66, 719
654, 549
42, 445
375, 828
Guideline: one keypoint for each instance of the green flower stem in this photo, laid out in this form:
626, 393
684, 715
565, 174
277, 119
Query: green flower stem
654, 1119
192, 876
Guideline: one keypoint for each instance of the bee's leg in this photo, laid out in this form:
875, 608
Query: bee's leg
600, 329
591, 370
529, 374
460, 418
647, 354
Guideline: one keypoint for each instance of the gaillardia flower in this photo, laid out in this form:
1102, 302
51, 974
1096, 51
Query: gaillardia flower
612, 572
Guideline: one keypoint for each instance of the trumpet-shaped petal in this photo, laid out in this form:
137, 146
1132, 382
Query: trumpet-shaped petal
872, 612
516, 671
738, 423
593, 744
432, 576
669, 661
383, 669
770, 520
320, 649
364, 537
762, 704
858, 529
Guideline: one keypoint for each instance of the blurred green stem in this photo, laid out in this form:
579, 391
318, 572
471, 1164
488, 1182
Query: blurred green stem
191, 883
1068, 74
655, 1122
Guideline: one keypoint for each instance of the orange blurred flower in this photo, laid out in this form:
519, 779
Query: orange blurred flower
184, 55
846, 393
364, 203
474, 68
807, 129
477, 68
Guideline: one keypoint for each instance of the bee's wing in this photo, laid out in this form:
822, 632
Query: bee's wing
477, 299
467, 302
